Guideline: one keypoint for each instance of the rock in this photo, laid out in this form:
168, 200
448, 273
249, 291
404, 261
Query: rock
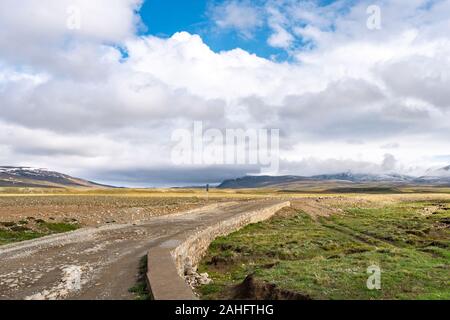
204, 279
52, 296
189, 270
194, 280
38, 296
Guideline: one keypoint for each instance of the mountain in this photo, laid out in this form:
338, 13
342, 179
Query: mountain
40, 178
351, 177
346, 179
258, 182
440, 172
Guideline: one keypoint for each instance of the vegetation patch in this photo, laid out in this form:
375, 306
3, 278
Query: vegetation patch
60, 227
328, 257
31, 229
140, 290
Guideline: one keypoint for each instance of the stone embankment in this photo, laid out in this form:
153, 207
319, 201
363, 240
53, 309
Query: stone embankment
173, 262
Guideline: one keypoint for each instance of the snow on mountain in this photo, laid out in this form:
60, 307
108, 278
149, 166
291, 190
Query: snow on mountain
438, 172
38, 177
346, 177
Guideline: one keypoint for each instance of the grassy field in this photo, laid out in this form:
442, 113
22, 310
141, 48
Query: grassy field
309, 251
296, 255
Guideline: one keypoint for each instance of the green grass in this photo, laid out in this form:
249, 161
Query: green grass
328, 258
11, 232
140, 289
7, 236
60, 227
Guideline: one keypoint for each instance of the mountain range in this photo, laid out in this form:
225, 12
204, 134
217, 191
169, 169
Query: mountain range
42, 178
439, 177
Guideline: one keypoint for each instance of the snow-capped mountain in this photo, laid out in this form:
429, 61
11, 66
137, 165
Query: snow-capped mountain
439, 176
34, 177
346, 178
440, 172
358, 177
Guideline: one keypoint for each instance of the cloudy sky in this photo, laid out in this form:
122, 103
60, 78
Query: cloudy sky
96, 88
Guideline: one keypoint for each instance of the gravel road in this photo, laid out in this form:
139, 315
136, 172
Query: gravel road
97, 263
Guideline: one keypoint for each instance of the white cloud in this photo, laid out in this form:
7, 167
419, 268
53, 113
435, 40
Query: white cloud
238, 15
389, 163
69, 101
33, 30
280, 38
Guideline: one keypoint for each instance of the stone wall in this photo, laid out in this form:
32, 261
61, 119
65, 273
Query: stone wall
194, 247
167, 263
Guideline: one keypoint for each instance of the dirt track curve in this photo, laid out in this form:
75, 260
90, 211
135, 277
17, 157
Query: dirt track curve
99, 263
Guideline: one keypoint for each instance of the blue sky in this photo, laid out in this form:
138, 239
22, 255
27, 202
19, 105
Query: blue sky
163, 18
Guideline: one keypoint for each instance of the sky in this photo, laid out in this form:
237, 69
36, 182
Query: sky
96, 89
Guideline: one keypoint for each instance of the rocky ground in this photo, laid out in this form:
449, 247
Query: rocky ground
91, 210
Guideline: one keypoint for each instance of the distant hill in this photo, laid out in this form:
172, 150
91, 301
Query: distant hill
40, 178
340, 180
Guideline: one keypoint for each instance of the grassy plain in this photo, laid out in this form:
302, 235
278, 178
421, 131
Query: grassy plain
310, 256
318, 249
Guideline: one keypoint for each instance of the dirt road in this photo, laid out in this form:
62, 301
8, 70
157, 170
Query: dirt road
97, 263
